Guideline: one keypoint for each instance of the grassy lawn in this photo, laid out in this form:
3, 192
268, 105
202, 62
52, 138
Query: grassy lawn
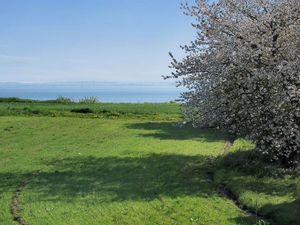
111, 171
126, 164
98, 110
272, 192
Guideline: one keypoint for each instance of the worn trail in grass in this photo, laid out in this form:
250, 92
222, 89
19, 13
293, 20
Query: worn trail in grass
105, 171
271, 191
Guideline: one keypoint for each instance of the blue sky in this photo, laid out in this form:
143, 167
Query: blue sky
90, 40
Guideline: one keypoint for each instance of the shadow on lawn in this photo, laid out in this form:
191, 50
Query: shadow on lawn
245, 171
9, 181
173, 131
119, 179
256, 175
116, 179
284, 213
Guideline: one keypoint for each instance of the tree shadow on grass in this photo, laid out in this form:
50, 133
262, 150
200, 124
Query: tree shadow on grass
244, 171
117, 179
249, 171
120, 179
284, 213
9, 181
173, 131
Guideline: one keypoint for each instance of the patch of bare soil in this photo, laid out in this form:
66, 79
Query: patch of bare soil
15, 202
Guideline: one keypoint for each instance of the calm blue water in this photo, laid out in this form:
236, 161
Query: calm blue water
104, 91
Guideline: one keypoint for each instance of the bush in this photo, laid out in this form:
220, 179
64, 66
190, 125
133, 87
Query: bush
61, 99
89, 100
83, 110
14, 99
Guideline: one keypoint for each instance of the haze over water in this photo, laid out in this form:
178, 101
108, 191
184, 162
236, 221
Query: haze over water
104, 91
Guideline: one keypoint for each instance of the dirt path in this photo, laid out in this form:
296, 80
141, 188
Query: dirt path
225, 191
15, 202
226, 147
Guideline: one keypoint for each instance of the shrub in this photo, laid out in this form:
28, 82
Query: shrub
89, 100
14, 99
61, 99
82, 110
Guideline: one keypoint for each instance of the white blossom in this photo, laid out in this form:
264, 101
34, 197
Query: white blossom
243, 72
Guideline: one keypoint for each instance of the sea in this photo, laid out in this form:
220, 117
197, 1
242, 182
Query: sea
131, 92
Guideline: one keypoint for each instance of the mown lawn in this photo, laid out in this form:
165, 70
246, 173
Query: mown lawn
111, 171
130, 164
153, 111
264, 188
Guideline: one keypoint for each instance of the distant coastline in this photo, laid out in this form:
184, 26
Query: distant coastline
133, 92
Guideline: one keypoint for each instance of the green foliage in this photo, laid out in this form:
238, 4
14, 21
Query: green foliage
82, 110
261, 222
13, 99
89, 100
62, 99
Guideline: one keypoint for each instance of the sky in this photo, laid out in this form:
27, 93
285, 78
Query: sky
90, 40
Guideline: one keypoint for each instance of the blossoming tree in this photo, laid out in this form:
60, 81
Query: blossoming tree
242, 72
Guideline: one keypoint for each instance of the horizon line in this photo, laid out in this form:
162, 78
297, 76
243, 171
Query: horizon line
85, 81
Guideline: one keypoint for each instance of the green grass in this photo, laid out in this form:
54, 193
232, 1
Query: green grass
263, 188
111, 171
19, 107
128, 164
